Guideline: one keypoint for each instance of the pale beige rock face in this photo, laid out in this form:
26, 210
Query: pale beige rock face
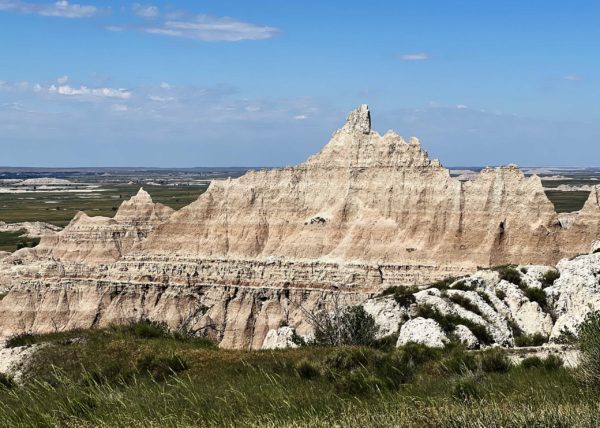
103, 239
365, 213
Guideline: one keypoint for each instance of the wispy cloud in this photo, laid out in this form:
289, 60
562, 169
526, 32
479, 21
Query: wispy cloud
206, 28
86, 91
421, 56
572, 77
62, 8
145, 10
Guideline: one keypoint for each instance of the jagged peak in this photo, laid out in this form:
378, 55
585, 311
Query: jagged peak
359, 120
142, 195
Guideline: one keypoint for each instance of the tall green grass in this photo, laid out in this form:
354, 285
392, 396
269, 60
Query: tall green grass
145, 376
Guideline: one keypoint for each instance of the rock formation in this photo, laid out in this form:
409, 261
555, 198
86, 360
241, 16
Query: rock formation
367, 212
103, 239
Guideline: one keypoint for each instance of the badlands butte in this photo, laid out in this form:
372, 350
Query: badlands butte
252, 258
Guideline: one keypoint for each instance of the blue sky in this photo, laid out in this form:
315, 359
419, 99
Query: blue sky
265, 83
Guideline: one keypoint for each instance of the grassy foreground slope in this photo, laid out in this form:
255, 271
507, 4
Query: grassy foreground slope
142, 375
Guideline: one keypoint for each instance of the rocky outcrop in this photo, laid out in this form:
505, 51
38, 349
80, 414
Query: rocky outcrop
31, 229
281, 338
102, 239
367, 212
422, 330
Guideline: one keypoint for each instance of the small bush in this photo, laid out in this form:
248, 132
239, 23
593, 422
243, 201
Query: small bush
443, 284
549, 277
524, 270
463, 285
149, 330
500, 294
466, 303
6, 381
536, 339
459, 362
449, 323
589, 345
307, 370
553, 362
536, 295
486, 298
566, 337
510, 274
494, 361
532, 362
404, 296
349, 326
23, 339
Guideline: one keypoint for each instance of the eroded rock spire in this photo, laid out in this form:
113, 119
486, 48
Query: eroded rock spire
359, 120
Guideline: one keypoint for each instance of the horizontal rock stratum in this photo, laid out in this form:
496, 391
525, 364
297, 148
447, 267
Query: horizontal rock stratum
367, 212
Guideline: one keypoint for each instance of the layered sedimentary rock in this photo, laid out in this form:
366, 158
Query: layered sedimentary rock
104, 239
367, 212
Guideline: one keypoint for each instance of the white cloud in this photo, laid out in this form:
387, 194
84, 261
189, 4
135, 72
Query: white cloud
120, 107
145, 11
165, 85
300, 117
85, 91
207, 28
572, 77
161, 99
421, 56
63, 80
61, 8
461, 106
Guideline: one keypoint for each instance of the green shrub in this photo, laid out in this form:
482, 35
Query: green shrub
589, 345
459, 361
463, 285
307, 370
510, 274
349, 326
536, 295
6, 381
449, 322
566, 337
23, 339
536, 339
524, 270
553, 362
443, 284
485, 298
500, 294
494, 361
404, 296
359, 382
161, 367
532, 362
149, 330
466, 303
549, 277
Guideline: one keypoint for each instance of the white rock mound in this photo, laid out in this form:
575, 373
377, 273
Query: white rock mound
422, 330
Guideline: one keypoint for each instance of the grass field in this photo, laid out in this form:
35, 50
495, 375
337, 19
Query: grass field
567, 201
60, 208
140, 377
11, 241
